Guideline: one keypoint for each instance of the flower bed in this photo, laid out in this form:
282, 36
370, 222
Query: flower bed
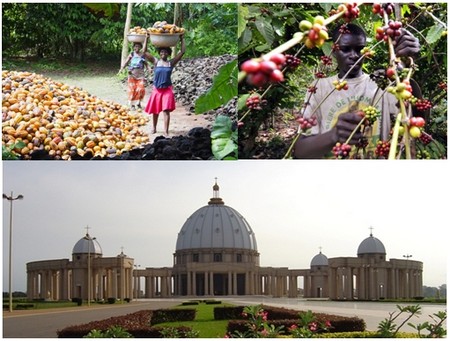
286, 318
137, 324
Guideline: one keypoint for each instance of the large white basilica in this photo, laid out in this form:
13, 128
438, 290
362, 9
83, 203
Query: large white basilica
216, 254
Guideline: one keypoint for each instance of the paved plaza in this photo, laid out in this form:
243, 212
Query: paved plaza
45, 323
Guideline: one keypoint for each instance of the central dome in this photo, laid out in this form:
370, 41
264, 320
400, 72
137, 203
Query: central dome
371, 245
87, 245
216, 226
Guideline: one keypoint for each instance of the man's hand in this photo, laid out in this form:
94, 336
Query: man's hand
406, 45
345, 125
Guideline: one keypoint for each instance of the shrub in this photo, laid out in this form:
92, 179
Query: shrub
24, 305
284, 318
228, 313
212, 302
181, 332
363, 335
137, 323
172, 315
190, 303
112, 332
111, 300
77, 300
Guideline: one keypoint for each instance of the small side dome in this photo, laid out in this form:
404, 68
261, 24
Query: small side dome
87, 245
371, 245
319, 260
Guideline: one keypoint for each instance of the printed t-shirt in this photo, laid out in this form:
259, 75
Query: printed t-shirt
361, 93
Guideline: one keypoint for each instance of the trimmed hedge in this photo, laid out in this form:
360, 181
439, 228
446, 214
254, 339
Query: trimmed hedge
365, 335
228, 313
212, 302
137, 324
24, 305
287, 317
172, 315
190, 303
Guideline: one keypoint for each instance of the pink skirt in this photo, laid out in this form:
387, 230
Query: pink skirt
160, 100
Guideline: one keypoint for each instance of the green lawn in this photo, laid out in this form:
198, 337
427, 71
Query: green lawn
204, 321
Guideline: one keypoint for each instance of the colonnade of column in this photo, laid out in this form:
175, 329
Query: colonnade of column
49, 284
315, 284
371, 283
58, 284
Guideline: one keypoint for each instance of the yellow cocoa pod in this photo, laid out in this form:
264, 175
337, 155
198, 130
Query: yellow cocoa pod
71, 141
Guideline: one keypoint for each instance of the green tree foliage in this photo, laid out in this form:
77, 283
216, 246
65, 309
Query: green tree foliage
81, 31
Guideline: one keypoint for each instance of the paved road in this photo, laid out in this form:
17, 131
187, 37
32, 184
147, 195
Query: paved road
45, 323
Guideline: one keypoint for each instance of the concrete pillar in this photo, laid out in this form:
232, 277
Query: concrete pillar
147, 287
211, 283
114, 292
206, 291
189, 283
273, 285
152, 286
331, 283
305, 286
349, 284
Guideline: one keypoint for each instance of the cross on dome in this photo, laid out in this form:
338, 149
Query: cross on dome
216, 199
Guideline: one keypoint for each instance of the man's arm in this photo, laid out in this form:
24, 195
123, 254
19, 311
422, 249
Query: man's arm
317, 146
314, 146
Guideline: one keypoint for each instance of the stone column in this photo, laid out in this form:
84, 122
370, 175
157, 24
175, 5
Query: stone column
206, 291
62, 285
152, 286
114, 292
274, 285
194, 283
349, 284
189, 283
147, 287
211, 283
307, 286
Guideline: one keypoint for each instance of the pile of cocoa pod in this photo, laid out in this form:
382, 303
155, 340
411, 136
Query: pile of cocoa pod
138, 30
158, 27
164, 27
65, 121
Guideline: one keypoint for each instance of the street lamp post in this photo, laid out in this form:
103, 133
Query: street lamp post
89, 239
89, 272
407, 256
11, 199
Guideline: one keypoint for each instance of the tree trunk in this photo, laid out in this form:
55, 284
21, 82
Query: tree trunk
176, 21
125, 32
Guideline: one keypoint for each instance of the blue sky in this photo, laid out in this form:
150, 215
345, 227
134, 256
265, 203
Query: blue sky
294, 207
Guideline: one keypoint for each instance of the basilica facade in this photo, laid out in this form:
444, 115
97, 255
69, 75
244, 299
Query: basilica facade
216, 254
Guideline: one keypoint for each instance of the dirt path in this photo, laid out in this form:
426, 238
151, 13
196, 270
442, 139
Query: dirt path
111, 89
